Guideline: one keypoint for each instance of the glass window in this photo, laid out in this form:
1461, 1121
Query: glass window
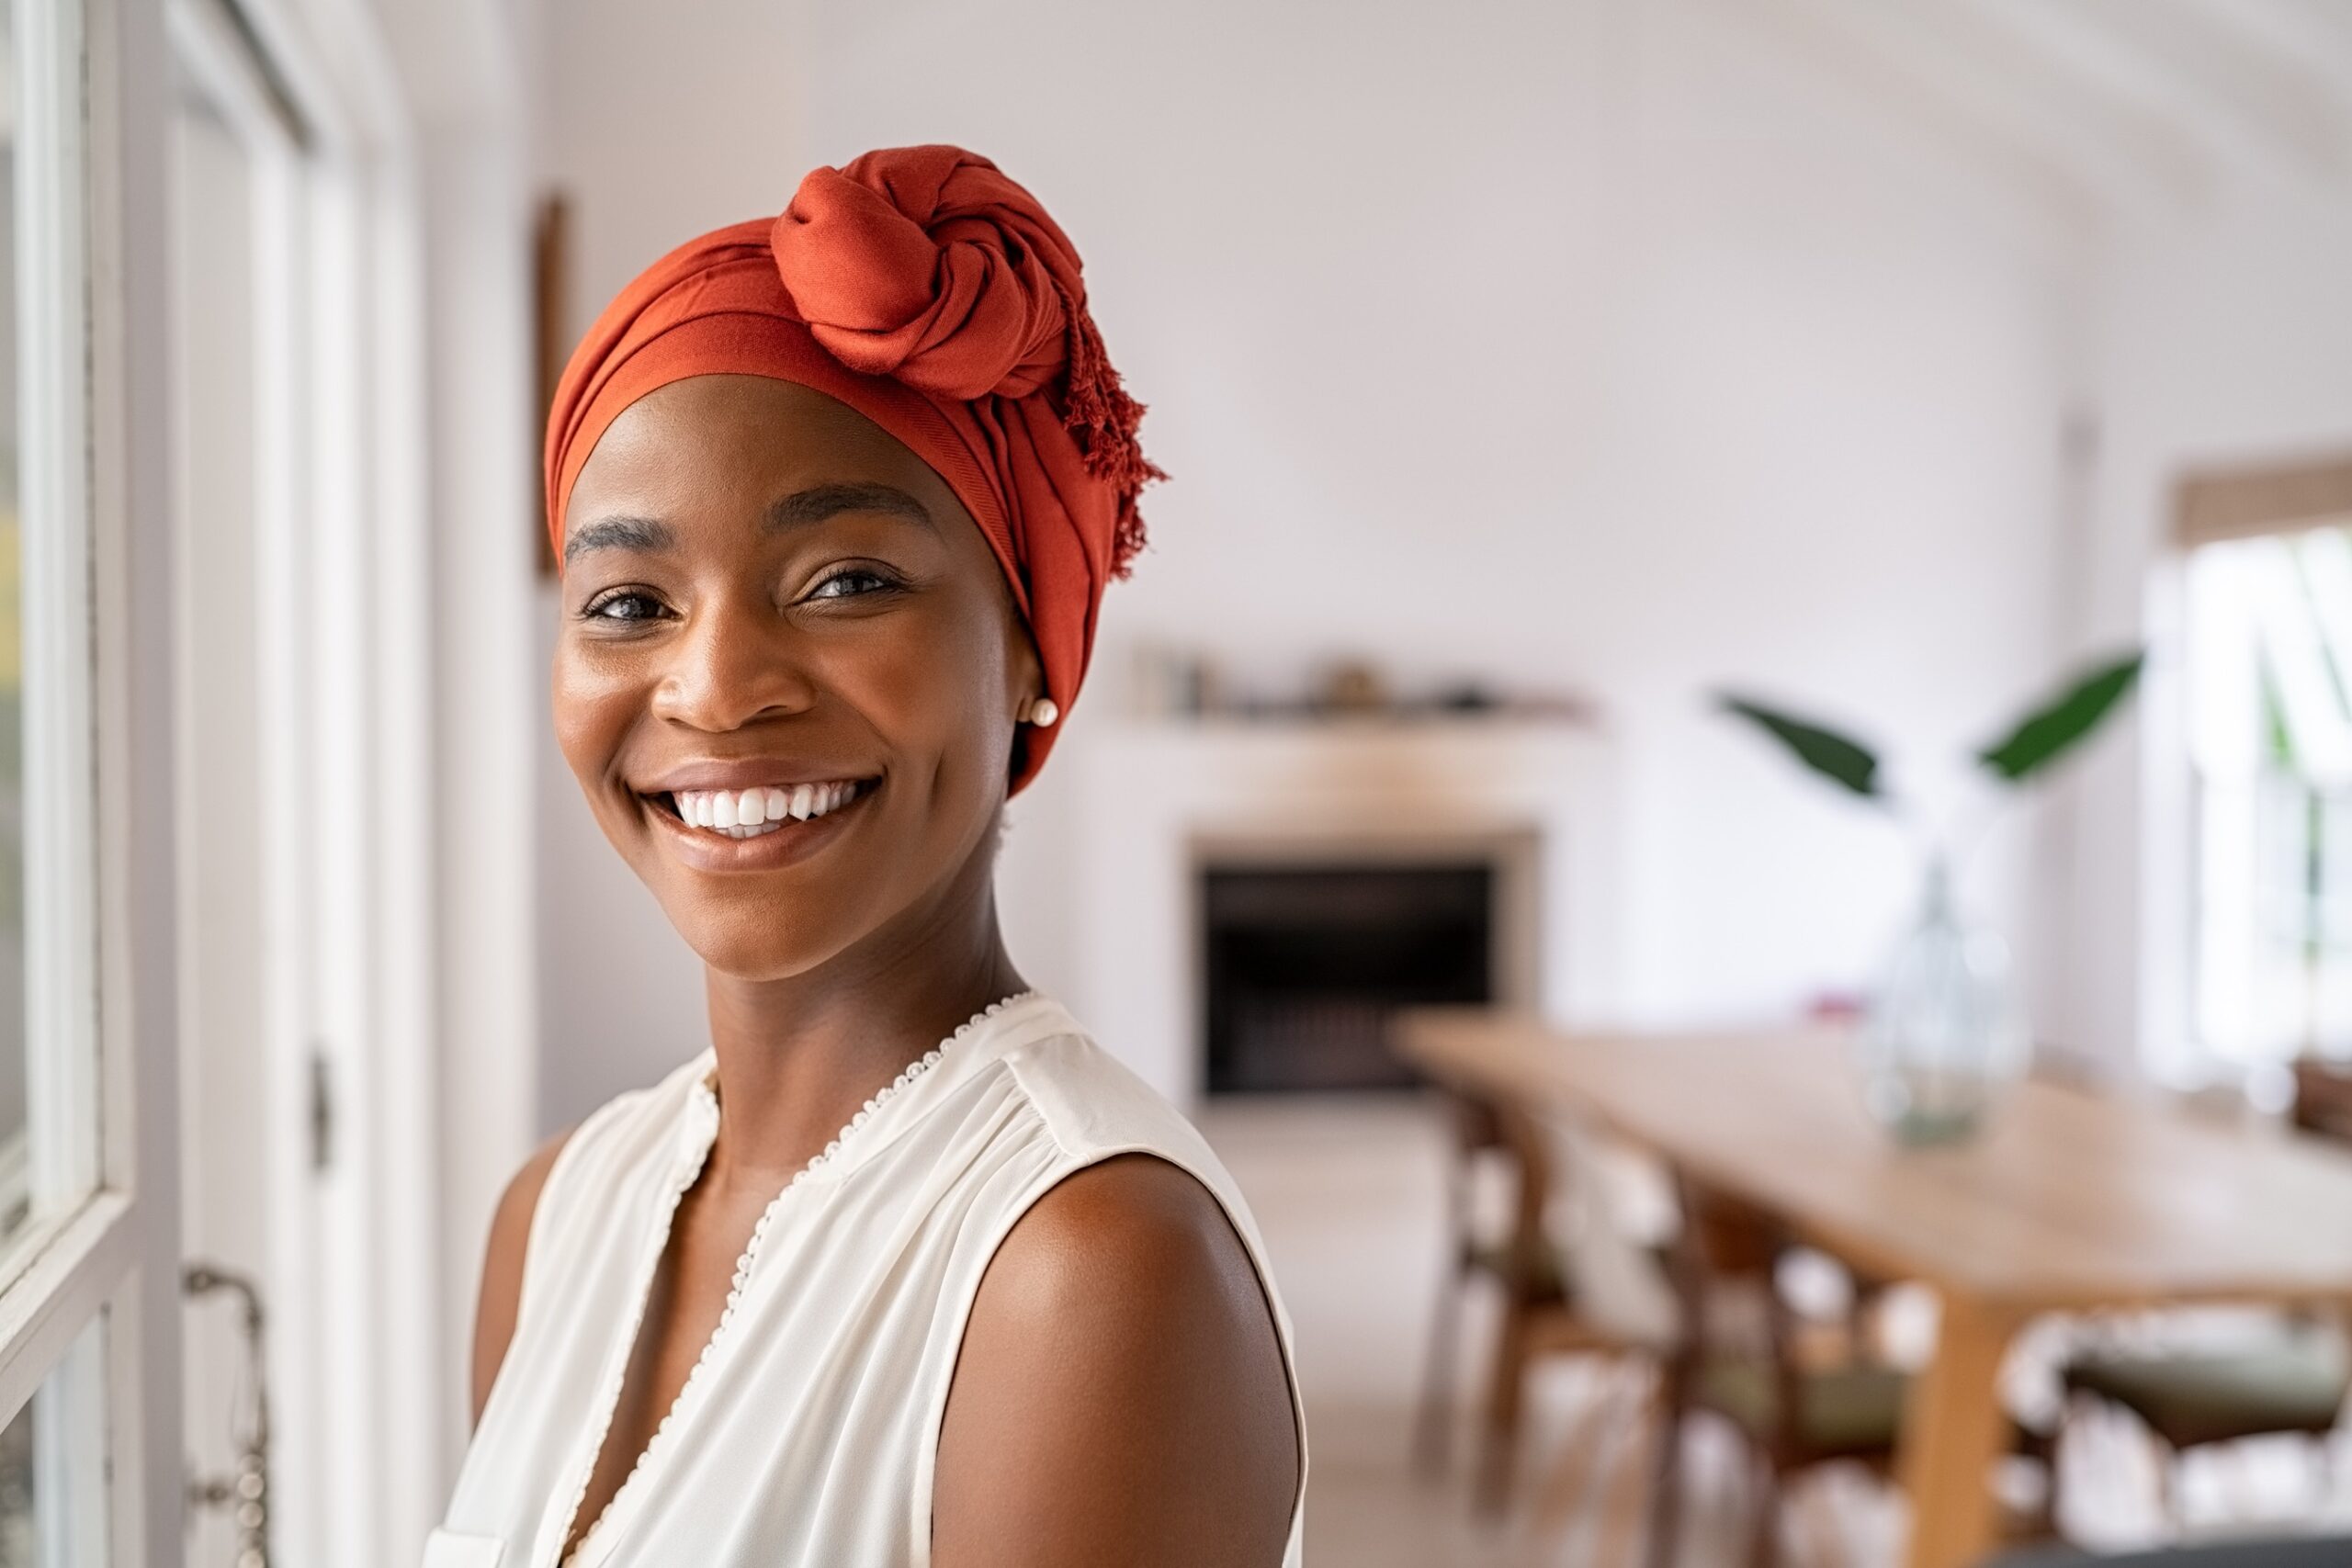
60, 1385
2271, 734
50, 1453
18, 1543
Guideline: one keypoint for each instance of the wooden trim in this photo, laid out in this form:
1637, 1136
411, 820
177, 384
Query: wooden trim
2276, 498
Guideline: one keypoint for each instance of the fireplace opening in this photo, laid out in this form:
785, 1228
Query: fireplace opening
1304, 963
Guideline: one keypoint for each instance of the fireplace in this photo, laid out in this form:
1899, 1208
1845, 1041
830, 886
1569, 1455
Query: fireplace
1118, 862
1304, 962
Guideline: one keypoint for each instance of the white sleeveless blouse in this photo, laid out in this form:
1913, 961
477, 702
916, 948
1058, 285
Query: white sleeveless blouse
807, 1431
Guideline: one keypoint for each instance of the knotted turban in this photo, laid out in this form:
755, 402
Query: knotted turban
925, 289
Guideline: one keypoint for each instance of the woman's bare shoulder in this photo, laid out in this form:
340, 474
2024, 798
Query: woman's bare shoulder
502, 1270
1122, 1393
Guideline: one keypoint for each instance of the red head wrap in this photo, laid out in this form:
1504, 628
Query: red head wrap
926, 290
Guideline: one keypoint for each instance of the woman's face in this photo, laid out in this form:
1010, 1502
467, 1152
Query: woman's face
773, 614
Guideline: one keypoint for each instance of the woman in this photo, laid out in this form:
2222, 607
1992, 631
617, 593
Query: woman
903, 1270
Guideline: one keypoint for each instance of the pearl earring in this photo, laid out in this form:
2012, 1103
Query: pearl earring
1042, 712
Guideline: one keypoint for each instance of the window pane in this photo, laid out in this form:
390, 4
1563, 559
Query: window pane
53, 1465
2270, 699
20, 1547
14, 1165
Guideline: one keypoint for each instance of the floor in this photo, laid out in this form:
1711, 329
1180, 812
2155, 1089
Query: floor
1346, 1191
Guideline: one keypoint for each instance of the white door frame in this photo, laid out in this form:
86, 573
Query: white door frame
131, 645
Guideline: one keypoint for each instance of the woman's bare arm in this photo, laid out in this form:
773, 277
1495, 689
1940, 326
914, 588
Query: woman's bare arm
502, 1270
1121, 1395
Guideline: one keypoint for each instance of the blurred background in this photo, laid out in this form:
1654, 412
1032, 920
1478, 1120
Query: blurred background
1531, 376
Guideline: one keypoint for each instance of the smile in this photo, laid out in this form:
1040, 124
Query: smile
757, 812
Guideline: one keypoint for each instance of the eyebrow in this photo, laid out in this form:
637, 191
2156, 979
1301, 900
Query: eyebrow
644, 536
647, 535
819, 501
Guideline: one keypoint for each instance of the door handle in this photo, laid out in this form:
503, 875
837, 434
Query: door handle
245, 1491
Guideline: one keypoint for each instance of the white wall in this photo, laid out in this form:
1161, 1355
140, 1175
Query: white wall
463, 85
2225, 339
1591, 344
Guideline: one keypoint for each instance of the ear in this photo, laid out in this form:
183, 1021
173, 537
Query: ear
1024, 673
1024, 682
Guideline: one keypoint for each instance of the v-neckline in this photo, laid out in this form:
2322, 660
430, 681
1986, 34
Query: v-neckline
697, 1135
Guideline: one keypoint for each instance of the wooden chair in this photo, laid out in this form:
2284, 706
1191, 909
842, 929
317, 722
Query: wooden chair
1539, 1313
2292, 1380
1510, 1259
1797, 1405
2323, 1097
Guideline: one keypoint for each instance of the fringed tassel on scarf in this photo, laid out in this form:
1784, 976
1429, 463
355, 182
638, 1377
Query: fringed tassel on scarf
1105, 420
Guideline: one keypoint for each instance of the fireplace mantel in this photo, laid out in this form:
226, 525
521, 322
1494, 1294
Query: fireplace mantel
1152, 798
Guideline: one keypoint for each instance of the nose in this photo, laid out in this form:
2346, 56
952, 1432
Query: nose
738, 661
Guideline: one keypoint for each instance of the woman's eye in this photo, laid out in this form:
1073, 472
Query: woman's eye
625, 605
850, 582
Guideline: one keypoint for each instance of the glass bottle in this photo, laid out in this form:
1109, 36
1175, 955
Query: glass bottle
1944, 1032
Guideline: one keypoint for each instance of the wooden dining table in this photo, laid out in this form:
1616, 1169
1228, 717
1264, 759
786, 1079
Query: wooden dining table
2068, 1199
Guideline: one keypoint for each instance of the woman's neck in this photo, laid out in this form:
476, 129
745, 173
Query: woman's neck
797, 1057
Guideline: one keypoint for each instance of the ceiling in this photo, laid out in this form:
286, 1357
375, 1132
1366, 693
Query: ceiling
2130, 103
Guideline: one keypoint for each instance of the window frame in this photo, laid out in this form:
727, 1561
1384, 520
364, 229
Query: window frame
87, 1304
360, 492
2287, 493
2260, 642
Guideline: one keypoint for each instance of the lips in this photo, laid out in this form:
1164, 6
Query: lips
764, 844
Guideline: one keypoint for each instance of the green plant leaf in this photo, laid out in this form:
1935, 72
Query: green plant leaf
1834, 756
2052, 730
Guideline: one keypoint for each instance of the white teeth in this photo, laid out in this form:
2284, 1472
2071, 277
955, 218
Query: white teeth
747, 814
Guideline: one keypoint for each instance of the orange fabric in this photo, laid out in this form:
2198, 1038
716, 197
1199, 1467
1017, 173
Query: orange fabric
924, 289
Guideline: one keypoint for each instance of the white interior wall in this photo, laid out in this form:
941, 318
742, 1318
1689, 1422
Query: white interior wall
2225, 340
1595, 345
466, 89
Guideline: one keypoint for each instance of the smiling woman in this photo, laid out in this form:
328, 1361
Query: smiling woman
837, 496
769, 591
